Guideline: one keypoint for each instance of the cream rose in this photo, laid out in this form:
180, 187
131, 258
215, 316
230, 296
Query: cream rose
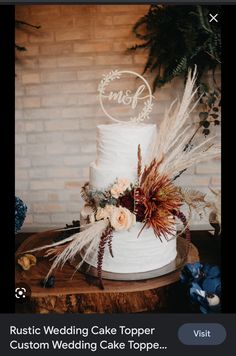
122, 219
119, 187
104, 213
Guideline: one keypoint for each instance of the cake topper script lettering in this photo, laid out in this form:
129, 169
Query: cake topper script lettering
126, 97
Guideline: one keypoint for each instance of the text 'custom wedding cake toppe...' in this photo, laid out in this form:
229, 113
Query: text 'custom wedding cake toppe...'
132, 201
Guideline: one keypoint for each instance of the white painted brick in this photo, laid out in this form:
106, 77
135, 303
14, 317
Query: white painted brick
18, 103
78, 112
34, 149
90, 147
58, 76
33, 196
31, 102
19, 90
81, 34
37, 173
33, 126
114, 33
42, 113
78, 160
86, 173
75, 197
61, 125
29, 78
22, 162
47, 207
75, 61
113, 59
20, 126
78, 87
42, 218
42, 89
73, 207
46, 184
47, 161
64, 218
55, 101
21, 185
73, 184
47, 62
55, 148
72, 149
21, 174
45, 137
19, 114
64, 172
79, 136
20, 138
96, 47
56, 49
41, 37
62, 196
28, 219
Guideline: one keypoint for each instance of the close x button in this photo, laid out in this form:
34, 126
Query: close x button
202, 334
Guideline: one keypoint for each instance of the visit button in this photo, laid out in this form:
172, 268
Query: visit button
202, 334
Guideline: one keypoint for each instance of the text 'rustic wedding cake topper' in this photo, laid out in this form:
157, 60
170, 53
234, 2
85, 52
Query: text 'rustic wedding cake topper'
138, 100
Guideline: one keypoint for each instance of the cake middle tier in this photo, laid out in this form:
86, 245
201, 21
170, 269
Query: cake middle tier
102, 178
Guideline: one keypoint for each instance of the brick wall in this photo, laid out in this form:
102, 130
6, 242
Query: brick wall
57, 107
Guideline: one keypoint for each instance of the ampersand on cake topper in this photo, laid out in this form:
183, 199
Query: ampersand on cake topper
135, 100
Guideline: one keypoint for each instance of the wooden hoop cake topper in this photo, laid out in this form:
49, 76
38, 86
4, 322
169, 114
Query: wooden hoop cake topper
125, 97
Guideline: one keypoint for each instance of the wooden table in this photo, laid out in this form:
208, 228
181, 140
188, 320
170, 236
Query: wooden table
82, 295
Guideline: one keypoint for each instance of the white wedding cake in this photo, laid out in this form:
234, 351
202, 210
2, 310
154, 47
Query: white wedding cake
117, 146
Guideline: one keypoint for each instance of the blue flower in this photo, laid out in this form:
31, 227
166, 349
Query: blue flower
204, 284
20, 213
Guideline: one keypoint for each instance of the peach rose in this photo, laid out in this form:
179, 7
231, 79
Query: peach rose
122, 219
119, 187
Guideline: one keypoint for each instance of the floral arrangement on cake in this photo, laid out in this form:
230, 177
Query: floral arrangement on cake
154, 199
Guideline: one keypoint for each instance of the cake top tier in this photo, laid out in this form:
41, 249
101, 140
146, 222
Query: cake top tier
117, 144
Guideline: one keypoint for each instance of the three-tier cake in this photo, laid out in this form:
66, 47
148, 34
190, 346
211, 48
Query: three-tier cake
117, 146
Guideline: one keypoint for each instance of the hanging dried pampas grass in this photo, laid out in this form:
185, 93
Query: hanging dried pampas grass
86, 240
173, 136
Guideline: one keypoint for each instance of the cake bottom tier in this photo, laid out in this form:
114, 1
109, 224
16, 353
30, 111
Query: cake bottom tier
136, 254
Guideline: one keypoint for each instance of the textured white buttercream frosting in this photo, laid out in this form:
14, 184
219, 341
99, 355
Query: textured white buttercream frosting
117, 147
136, 254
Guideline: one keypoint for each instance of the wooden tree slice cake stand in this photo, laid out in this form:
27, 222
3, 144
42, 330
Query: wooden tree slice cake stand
79, 292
